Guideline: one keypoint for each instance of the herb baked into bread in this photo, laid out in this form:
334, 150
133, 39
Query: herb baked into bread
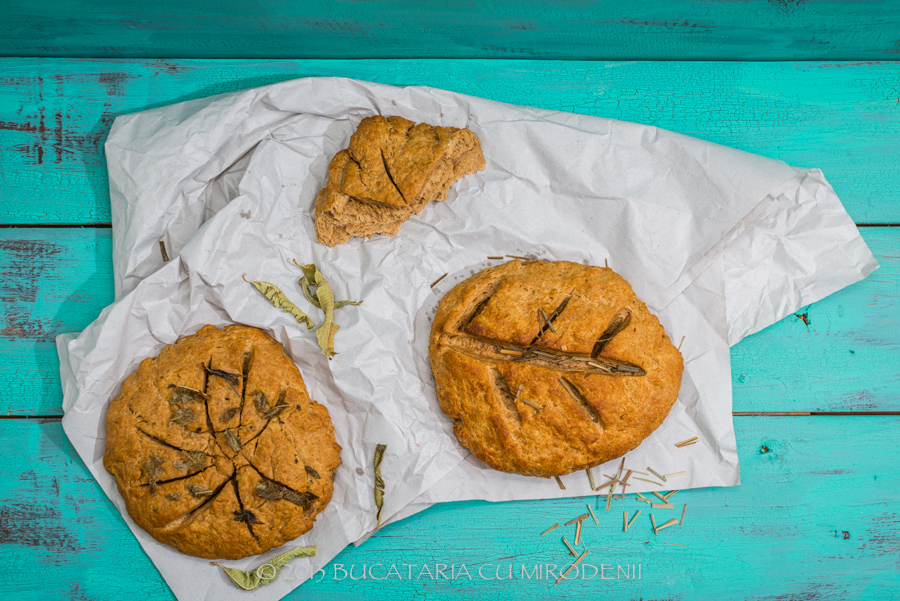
546, 368
217, 448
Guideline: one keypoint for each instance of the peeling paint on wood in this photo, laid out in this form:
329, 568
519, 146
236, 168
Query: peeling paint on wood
772, 537
636, 30
841, 118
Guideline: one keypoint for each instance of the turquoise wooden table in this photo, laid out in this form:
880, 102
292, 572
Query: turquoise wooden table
816, 396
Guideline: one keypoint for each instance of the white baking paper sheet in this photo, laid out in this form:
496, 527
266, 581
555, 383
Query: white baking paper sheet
718, 242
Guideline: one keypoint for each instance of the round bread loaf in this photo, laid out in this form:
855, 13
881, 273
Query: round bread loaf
217, 448
546, 368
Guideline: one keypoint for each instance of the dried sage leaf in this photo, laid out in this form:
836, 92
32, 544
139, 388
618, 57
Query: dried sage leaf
308, 282
174, 496
182, 416
229, 414
198, 491
312, 472
278, 298
183, 394
193, 460
233, 441
273, 491
379, 483
153, 467
262, 404
245, 515
265, 572
323, 298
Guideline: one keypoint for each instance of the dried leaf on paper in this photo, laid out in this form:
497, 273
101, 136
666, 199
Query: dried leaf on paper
265, 572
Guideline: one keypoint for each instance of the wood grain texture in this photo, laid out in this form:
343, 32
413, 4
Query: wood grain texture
843, 118
51, 281
847, 358
816, 517
572, 29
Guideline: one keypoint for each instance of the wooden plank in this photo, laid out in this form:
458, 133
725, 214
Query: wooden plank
843, 118
816, 517
51, 281
847, 358
641, 29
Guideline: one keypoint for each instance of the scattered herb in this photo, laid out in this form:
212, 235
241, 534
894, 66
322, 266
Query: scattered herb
591, 511
162, 251
153, 467
519, 257
182, 416
683, 511
173, 496
379, 483
510, 352
609, 495
265, 572
550, 319
183, 394
578, 532
671, 522
659, 496
198, 491
233, 441
569, 545
278, 298
653, 521
670, 494
435, 283
632, 520
544, 320
312, 472
535, 406
650, 481
553, 527
274, 491
571, 567
686, 442
193, 460
619, 322
626, 522
560, 482
576, 520
590, 473
658, 475
495, 258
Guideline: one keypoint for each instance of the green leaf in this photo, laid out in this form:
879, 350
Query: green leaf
278, 298
265, 572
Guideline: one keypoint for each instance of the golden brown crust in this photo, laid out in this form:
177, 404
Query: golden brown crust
491, 351
217, 448
391, 170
